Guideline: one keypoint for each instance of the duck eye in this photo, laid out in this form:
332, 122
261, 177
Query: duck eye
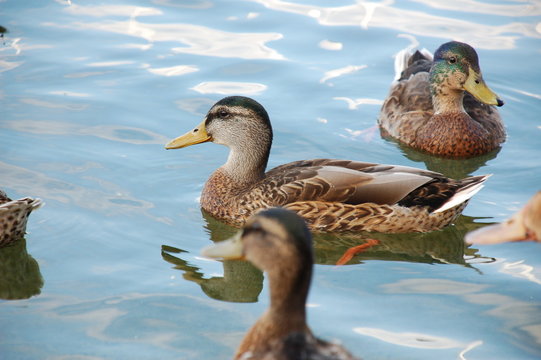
254, 228
223, 113
452, 60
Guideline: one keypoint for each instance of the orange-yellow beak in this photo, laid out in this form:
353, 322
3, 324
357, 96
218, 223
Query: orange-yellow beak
196, 136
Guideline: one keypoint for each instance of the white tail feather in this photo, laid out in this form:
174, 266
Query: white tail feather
401, 61
463, 194
427, 54
402, 57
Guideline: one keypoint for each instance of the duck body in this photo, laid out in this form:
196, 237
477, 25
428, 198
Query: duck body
442, 105
338, 195
331, 195
278, 242
14, 216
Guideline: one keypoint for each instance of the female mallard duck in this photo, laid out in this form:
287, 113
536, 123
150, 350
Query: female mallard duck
427, 110
331, 195
278, 242
524, 225
13, 217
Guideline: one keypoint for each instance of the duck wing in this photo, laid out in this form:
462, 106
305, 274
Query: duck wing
343, 181
407, 108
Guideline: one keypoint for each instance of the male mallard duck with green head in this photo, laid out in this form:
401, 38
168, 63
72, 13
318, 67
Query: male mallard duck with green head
278, 242
427, 109
331, 195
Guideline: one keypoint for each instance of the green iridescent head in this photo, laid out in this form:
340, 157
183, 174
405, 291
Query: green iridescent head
456, 66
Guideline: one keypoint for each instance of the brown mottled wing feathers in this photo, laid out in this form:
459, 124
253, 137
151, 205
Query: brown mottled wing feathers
346, 182
407, 108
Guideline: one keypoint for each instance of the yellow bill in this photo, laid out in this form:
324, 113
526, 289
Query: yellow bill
476, 86
510, 230
524, 225
196, 136
230, 249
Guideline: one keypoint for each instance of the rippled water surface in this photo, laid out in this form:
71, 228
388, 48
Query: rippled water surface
91, 91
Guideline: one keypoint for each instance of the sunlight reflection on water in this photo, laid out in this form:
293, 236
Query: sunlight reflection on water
92, 92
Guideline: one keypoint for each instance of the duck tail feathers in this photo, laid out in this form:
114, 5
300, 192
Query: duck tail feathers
36, 203
470, 187
406, 57
401, 62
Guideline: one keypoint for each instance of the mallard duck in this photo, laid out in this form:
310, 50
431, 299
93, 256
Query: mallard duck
331, 195
524, 225
13, 217
427, 109
278, 242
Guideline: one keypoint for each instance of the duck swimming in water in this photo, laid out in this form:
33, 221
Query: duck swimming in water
331, 195
441, 105
278, 242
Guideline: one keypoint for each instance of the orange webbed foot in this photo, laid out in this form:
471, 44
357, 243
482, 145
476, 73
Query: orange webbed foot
348, 255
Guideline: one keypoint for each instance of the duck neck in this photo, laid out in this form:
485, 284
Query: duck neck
247, 161
447, 95
446, 100
288, 294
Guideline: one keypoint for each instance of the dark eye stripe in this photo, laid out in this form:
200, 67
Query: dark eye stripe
227, 114
254, 228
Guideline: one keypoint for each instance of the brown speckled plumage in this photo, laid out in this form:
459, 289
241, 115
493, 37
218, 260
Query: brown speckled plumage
13, 217
278, 242
463, 128
331, 195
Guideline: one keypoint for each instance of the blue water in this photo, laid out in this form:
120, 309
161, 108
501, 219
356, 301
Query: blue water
91, 91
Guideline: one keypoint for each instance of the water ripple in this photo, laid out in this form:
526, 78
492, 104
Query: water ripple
384, 15
198, 40
127, 134
229, 88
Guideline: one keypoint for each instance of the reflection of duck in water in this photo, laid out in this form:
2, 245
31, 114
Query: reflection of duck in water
445, 246
524, 225
427, 110
278, 242
453, 168
20, 277
332, 195
241, 281
13, 217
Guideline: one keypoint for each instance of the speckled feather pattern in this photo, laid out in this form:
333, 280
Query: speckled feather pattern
408, 116
336, 217
14, 216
